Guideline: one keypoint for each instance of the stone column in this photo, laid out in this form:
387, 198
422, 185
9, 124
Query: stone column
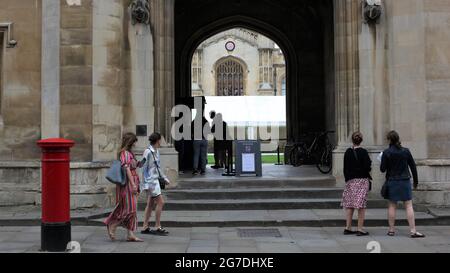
50, 72
374, 82
347, 29
347, 22
162, 21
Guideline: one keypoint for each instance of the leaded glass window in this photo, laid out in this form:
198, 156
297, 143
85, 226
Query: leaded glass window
230, 78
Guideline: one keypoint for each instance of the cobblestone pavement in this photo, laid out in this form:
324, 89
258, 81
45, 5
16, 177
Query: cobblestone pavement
227, 240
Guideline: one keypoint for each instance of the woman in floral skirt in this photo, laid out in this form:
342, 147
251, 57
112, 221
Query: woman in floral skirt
357, 167
125, 212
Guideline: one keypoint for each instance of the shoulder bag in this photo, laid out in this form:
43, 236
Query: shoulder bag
161, 179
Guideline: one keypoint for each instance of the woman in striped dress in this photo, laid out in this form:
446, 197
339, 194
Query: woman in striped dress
125, 212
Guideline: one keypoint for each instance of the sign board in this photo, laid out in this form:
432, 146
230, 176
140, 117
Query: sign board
248, 158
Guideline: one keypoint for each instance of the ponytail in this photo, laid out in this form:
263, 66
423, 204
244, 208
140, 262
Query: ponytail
394, 139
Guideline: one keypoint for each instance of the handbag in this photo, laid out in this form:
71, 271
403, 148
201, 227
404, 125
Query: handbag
384, 190
116, 174
162, 180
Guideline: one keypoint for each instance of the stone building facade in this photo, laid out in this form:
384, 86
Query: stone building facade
81, 69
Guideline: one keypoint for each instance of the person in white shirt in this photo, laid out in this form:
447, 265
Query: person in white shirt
150, 184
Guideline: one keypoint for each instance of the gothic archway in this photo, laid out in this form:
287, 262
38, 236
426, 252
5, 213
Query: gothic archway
304, 47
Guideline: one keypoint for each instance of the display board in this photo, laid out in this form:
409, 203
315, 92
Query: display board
248, 158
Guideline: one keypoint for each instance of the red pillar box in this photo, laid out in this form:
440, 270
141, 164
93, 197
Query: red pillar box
56, 227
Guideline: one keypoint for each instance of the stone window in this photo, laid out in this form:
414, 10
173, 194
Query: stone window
230, 78
265, 69
197, 63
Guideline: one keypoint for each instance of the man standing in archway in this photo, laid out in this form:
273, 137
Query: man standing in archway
200, 130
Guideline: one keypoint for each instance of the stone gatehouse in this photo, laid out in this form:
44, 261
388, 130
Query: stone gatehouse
86, 71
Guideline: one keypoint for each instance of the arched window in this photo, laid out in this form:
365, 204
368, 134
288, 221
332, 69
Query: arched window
230, 78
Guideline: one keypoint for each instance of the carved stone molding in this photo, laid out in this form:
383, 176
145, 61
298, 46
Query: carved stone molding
372, 11
140, 12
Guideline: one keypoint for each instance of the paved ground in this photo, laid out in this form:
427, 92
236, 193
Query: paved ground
226, 240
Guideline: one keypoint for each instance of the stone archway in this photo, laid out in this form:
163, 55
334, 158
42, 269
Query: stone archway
304, 60
291, 25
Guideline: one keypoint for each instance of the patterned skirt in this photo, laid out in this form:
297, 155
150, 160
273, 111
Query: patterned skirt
125, 212
355, 194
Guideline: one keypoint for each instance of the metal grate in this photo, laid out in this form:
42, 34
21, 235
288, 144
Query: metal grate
253, 233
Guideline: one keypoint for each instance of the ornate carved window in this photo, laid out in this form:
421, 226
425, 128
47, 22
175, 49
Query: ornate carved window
230, 78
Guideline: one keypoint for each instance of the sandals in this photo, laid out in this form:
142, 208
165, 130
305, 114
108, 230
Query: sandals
160, 232
417, 235
146, 231
391, 233
134, 240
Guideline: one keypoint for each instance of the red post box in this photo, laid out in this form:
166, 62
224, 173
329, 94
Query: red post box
55, 226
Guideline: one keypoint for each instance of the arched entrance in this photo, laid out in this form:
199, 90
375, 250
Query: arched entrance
300, 30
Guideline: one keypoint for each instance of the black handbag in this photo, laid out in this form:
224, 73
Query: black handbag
162, 180
384, 191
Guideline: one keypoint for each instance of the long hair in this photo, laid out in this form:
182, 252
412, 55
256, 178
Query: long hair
128, 140
394, 139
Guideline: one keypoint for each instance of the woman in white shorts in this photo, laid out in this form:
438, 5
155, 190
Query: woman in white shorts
150, 185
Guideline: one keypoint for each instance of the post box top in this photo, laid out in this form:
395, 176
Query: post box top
56, 143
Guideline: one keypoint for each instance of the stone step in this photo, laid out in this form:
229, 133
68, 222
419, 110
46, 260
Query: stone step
266, 218
253, 193
259, 204
246, 182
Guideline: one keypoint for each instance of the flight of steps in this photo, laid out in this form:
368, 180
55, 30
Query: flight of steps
256, 194
313, 201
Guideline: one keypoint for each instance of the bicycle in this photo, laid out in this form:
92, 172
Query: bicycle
320, 152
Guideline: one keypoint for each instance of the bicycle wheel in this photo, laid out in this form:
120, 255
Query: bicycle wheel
296, 156
325, 164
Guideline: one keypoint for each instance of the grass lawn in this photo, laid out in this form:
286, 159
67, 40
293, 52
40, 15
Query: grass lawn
266, 158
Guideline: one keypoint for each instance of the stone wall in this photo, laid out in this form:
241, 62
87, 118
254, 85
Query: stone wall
21, 82
76, 77
437, 63
109, 78
403, 84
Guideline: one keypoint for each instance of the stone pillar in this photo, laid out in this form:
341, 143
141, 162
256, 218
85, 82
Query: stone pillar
347, 29
50, 75
347, 22
139, 110
162, 21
